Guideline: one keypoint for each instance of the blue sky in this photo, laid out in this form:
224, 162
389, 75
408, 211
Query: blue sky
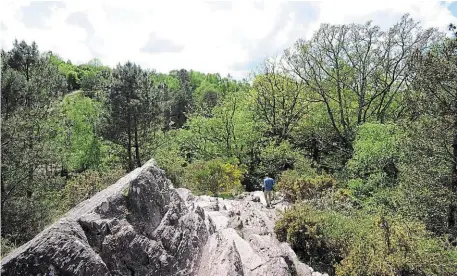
453, 8
213, 36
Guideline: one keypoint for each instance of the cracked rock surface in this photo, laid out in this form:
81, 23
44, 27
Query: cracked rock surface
243, 241
141, 225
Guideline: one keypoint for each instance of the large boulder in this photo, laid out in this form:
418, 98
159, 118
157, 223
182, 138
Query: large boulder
137, 226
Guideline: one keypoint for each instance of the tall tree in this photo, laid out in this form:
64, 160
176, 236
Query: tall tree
30, 85
182, 99
281, 100
358, 71
133, 109
435, 75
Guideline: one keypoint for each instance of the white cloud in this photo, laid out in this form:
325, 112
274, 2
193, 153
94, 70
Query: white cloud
386, 13
209, 37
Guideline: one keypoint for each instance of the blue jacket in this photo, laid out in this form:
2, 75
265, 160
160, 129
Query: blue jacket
268, 183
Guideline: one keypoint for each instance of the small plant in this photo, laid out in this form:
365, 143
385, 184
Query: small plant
125, 191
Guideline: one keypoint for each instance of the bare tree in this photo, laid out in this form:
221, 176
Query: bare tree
358, 71
280, 99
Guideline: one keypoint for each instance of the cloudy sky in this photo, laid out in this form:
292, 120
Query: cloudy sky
212, 36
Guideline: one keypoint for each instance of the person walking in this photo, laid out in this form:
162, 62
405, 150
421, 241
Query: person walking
268, 184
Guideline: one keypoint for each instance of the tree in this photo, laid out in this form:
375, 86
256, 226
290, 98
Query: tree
358, 71
215, 176
79, 123
281, 100
435, 75
30, 86
182, 99
133, 110
68, 70
207, 96
168, 87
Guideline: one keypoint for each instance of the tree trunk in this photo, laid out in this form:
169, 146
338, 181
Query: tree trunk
137, 147
129, 147
3, 192
30, 165
453, 207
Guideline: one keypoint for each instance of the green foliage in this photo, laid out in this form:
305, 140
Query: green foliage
133, 111
229, 132
207, 96
84, 185
363, 244
374, 164
171, 82
280, 101
7, 246
376, 149
29, 163
79, 121
296, 187
333, 67
68, 70
169, 157
315, 135
277, 158
424, 190
214, 177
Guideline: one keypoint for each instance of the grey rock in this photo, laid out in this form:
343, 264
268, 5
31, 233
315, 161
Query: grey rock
249, 230
138, 226
141, 225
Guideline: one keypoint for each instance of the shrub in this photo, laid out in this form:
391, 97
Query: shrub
376, 148
303, 228
6, 246
170, 159
296, 187
364, 244
84, 185
214, 176
374, 164
277, 158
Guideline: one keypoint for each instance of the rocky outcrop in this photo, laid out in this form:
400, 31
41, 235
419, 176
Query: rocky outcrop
243, 242
141, 225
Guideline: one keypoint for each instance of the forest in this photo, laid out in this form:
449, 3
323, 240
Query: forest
357, 125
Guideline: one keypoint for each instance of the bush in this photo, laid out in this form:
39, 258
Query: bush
376, 148
84, 185
25, 215
275, 159
214, 177
7, 246
374, 164
169, 158
296, 187
364, 244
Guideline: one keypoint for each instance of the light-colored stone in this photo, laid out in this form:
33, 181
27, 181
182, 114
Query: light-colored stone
248, 234
155, 229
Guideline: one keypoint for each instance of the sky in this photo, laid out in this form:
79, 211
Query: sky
226, 37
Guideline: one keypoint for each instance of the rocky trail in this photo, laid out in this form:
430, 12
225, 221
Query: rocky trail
243, 242
141, 225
